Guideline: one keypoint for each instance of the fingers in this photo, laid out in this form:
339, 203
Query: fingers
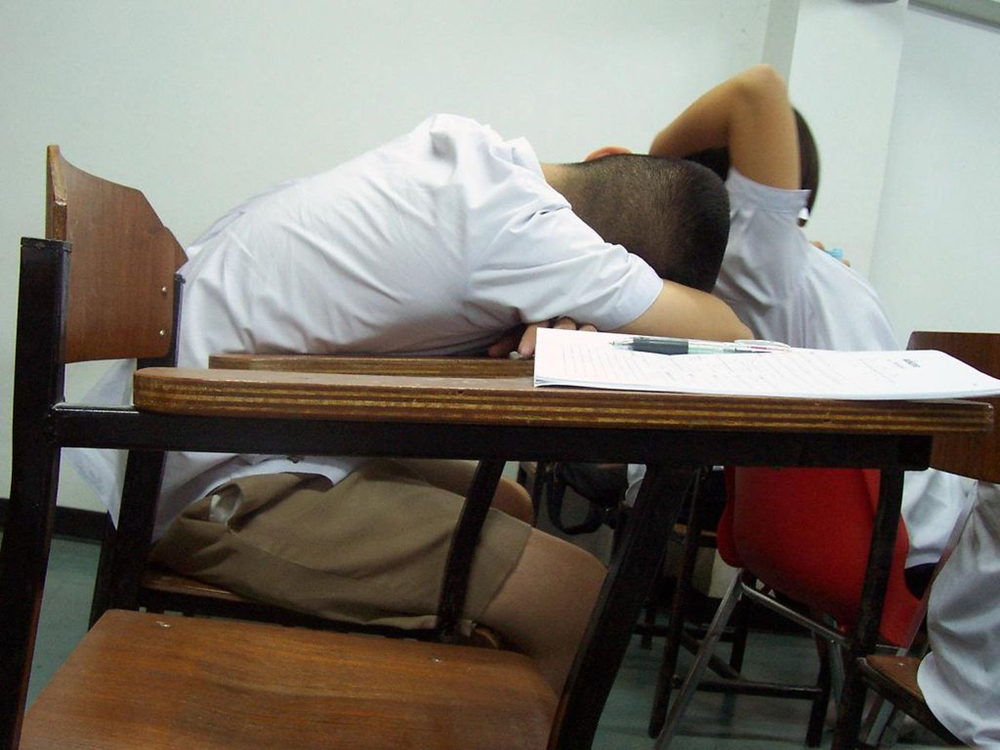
526, 348
506, 344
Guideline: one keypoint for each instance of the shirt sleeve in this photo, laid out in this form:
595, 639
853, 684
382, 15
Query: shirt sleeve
764, 258
547, 263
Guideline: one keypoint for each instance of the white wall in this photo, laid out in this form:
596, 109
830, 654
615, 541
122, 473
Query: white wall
904, 104
937, 262
843, 79
201, 103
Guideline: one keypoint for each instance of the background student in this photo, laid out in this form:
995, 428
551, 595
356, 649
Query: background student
781, 285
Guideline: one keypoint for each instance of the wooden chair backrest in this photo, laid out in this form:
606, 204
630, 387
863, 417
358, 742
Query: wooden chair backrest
971, 456
121, 288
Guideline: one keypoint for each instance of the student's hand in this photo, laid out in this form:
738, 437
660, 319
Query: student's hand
519, 342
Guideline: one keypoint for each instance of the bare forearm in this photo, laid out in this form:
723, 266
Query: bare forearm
682, 311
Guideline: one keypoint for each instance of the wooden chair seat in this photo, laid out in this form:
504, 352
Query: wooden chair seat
900, 670
895, 678
225, 684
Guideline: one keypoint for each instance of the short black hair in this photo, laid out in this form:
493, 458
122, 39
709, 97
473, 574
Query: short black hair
672, 213
717, 159
808, 159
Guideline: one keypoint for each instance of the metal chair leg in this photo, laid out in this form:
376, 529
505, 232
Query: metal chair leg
817, 715
690, 684
741, 628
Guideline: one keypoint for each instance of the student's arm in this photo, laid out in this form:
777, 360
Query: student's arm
751, 116
688, 313
677, 311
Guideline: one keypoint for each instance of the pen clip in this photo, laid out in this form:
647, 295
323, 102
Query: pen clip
762, 345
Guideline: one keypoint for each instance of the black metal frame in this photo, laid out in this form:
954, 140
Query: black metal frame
44, 425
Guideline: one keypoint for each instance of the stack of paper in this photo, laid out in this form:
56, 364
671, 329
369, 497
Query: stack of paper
589, 360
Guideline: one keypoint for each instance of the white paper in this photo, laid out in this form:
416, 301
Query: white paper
587, 359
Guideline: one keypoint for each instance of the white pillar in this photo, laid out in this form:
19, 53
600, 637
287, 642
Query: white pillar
842, 77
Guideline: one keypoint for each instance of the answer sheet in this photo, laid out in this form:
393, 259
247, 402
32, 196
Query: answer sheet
589, 360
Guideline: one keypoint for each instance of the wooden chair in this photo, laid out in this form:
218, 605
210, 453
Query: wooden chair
895, 677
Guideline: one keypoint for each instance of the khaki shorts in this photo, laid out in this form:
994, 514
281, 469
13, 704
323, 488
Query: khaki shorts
371, 549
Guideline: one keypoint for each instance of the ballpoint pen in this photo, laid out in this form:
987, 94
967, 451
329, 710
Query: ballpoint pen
667, 345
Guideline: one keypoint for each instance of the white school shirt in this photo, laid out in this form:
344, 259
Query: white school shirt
786, 289
433, 244
960, 677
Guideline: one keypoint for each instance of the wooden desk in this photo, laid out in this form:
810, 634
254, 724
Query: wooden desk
490, 413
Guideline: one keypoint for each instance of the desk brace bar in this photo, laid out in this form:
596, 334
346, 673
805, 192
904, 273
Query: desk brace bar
124, 427
865, 635
829, 634
463, 546
636, 560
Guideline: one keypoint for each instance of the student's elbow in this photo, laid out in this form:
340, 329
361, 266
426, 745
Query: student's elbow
722, 322
741, 331
729, 327
761, 82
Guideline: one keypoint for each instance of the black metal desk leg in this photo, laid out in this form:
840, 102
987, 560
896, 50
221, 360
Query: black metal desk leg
678, 607
636, 562
126, 548
463, 546
866, 629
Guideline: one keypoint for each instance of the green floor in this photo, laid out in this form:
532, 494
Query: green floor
712, 721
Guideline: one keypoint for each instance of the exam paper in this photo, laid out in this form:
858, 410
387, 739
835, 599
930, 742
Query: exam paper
585, 359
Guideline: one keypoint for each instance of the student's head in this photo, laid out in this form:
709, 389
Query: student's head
672, 213
717, 159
